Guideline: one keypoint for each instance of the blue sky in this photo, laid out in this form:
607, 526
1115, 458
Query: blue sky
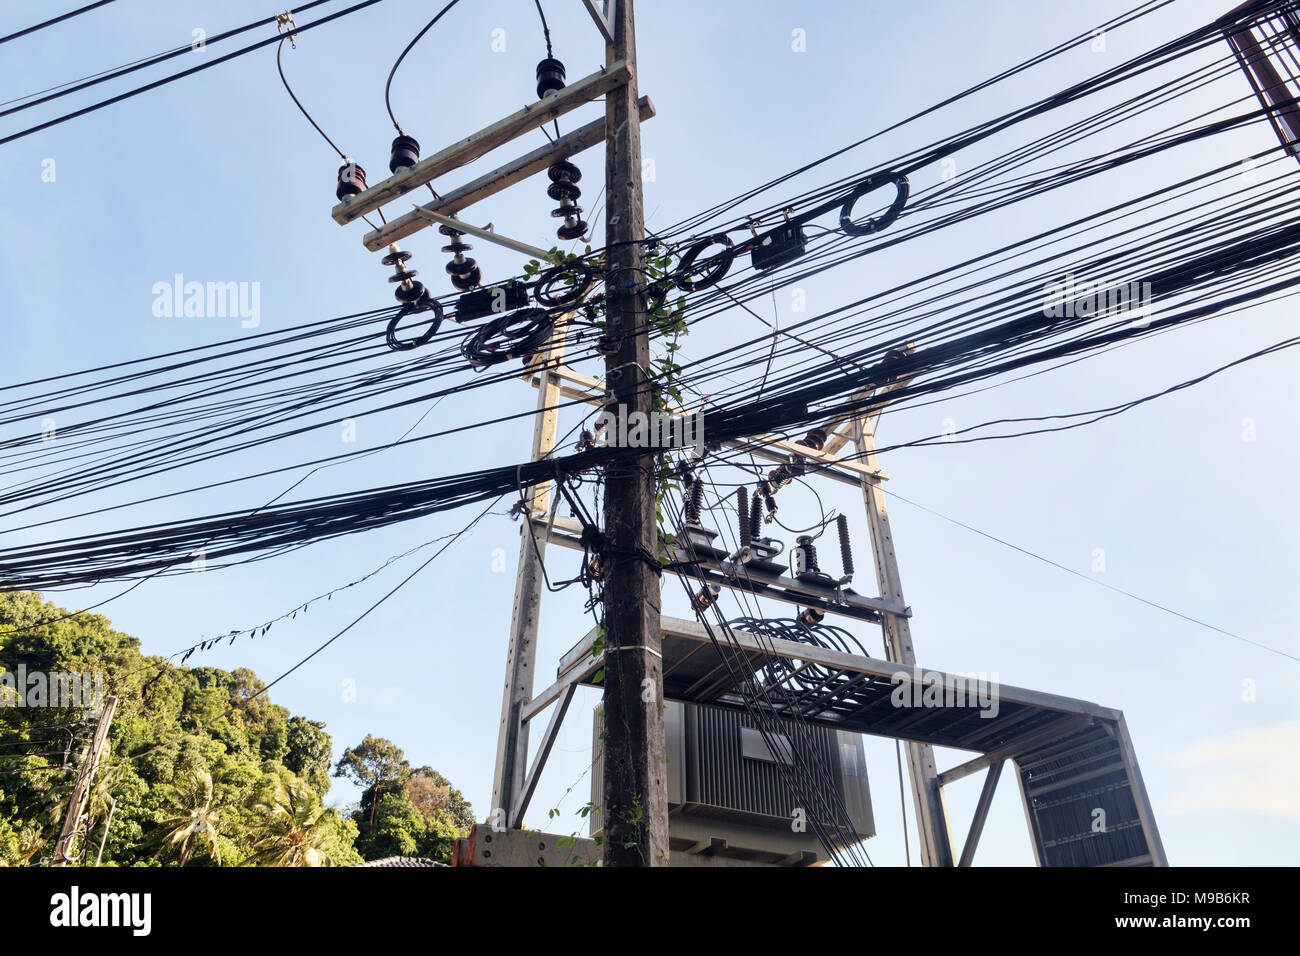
219, 178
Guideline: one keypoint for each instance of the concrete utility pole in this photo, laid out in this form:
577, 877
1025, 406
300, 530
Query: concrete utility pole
512, 744
81, 789
635, 807
931, 814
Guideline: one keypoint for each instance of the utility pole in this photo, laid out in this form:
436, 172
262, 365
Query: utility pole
81, 789
635, 807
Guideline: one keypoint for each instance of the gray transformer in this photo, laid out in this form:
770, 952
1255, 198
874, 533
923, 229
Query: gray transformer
728, 795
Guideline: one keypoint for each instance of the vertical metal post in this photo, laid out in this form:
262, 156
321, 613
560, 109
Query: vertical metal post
931, 816
512, 741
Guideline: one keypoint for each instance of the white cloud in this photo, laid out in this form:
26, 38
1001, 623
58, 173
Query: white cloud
1256, 770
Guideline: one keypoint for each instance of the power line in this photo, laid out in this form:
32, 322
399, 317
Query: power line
181, 75
52, 21
1093, 580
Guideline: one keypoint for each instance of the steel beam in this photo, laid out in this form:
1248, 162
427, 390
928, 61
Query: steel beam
539, 760
931, 818
981, 813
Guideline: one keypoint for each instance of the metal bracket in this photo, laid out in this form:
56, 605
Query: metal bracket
488, 234
602, 17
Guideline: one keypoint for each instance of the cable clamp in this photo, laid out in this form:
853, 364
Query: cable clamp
284, 25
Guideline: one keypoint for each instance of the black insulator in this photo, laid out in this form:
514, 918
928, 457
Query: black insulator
572, 230
846, 553
769, 505
352, 180
406, 152
550, 76
564, 171
695, 501
779, 477
815, 439
464, 272
563, 190
703, 599
811, 616
409, 292
563, 176
742, 516
810, 553
756, 516
466, 282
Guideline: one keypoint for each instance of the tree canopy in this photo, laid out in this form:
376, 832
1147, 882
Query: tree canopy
200, 768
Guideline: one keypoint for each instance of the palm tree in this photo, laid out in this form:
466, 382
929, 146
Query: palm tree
196, 821
296, 830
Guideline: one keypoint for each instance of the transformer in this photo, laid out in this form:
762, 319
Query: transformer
728, 794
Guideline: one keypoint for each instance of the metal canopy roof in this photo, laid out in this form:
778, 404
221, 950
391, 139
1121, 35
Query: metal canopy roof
1083, 792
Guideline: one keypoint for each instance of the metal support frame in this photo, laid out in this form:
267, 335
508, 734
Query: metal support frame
491, 236
889, 609
981, 813
539, 761
512, 745
601, 17
931, 816
1018, 736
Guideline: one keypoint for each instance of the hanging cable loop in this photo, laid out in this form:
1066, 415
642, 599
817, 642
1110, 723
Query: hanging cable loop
870, 184
426, 304
578, 273
513, 335
714, 267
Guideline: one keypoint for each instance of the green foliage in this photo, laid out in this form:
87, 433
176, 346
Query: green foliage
403, 812
452, 805
193, 764
294, 829
308, 751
